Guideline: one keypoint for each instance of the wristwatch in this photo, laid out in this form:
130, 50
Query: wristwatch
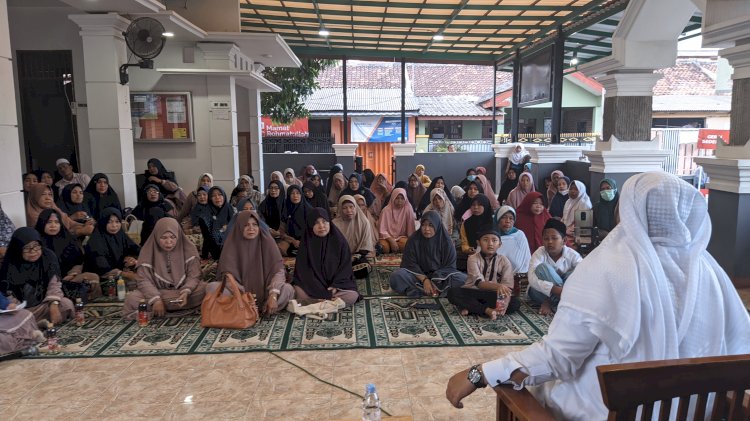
475, 377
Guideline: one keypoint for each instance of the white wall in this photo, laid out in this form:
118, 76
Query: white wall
48, 28
718, 123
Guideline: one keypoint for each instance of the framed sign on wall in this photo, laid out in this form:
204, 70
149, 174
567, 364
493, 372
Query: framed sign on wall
161, 116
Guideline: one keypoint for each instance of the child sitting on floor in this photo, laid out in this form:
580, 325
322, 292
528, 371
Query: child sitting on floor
490, 276
550, 266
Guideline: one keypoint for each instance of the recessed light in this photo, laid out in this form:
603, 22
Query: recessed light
574, 59
167, 34
438, 37
323, 32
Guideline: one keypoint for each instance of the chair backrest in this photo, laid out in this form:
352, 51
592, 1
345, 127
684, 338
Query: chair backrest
625, 387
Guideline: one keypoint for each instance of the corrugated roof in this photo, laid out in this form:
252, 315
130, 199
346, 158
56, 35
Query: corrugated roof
451, 106
671, 103
330, 101
689, 76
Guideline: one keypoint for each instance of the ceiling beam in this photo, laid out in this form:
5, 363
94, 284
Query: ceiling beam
320, 19
433, 26
434, 6
380, 55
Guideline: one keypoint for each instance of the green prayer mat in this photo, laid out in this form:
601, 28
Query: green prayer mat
382, 319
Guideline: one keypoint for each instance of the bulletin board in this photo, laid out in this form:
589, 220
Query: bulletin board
161, 116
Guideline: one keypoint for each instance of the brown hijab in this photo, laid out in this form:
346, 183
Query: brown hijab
252, 262
168, 270
358, 231
34, 207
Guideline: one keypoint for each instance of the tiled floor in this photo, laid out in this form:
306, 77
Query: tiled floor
252, 386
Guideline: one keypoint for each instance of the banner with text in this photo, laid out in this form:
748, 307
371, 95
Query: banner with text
709, 138
298, 128
377, 129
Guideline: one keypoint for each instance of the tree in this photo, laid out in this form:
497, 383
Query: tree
296, 84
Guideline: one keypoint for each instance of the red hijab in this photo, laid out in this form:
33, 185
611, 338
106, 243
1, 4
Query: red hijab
531, 225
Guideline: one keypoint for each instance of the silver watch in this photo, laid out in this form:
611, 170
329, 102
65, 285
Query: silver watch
475, 377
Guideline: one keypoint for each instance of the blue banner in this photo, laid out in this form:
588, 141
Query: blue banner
377, 129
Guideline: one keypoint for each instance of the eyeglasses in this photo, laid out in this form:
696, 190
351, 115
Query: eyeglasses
32, 248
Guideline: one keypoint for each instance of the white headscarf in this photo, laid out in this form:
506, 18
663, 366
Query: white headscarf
654, 290
517, 157
582, 202
446, 214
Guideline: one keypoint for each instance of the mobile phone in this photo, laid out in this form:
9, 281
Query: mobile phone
175, 301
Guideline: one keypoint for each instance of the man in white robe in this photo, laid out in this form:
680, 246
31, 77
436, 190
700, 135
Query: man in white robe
650, 291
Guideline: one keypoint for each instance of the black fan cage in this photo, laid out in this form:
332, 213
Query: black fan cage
144, 37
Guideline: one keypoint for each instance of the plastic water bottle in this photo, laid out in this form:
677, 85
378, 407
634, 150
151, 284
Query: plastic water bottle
80, 315
499, 303
121, 291
371, 404
111, 287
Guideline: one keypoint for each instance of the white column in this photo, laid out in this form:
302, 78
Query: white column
108, 101
256, 139
10, 158
222, 103
345, 153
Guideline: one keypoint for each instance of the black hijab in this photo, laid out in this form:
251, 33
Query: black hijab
220, 216
106, 251
270, 208
430, 256
200, 212
27, 281
163, 174
475, 224
96, 202
323, 262
369, 177
295, 215
466, 201
66, 203
364, 191
143, 209
426, 197
333, 171
507, 186
64, 244
319, 199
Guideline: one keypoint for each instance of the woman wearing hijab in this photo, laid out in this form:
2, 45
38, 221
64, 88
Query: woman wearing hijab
396, 223
270, 208
487, 189
293, 221
355, 187
214, 223
531, 219
510, 183
109, 250
458, 193
428, 266
46, 177
557, 205
357, 230
524, 187
244, 189
205, 182
157, 175
278, 176
168, 273
324, 264
152, 208
439, 203
472, 190
578, 201
252, 259
471, 175
437, 183
605, 209
307, 173
338, 184
291, 179
660, 296
516, 158
30, 273
55, 237
29, 179
72, 203
41, 198
514, 245
552, 188
336, 169
382, 189
314, 196
18, 330
479, 219
423, 178
415, 190
100, 195
368, 176
362, 205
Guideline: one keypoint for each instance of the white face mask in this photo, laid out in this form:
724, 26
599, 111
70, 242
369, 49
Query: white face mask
563, 192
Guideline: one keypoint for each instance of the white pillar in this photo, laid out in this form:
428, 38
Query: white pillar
110, 126
222, 103
256, 139
345, 153
10, 157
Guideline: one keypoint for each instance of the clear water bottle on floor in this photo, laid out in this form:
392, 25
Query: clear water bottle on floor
371, 404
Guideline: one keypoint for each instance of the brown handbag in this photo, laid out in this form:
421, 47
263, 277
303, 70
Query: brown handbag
236, 311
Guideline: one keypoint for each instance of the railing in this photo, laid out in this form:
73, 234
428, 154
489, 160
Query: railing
459, 145
544, 139
315, 143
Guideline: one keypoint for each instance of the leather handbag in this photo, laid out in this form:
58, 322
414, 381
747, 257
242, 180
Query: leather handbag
235, 311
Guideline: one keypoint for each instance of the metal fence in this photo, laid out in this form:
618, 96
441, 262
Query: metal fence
314, 143
585, 140
459, 145
682, 147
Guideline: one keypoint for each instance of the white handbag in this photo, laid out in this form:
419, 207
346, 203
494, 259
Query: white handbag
133, 229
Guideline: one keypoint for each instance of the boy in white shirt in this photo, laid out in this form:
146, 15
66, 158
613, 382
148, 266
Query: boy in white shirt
550, 266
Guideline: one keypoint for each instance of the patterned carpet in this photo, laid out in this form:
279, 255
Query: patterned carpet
381, 320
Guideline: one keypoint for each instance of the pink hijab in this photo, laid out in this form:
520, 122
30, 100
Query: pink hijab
396, 223
515, 197
487, 189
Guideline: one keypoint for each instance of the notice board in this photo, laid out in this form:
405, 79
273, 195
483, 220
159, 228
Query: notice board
161, 116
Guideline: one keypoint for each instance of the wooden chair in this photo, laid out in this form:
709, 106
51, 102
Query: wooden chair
626, 387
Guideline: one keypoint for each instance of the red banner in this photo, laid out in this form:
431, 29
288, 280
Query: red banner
298, 128
708, 138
